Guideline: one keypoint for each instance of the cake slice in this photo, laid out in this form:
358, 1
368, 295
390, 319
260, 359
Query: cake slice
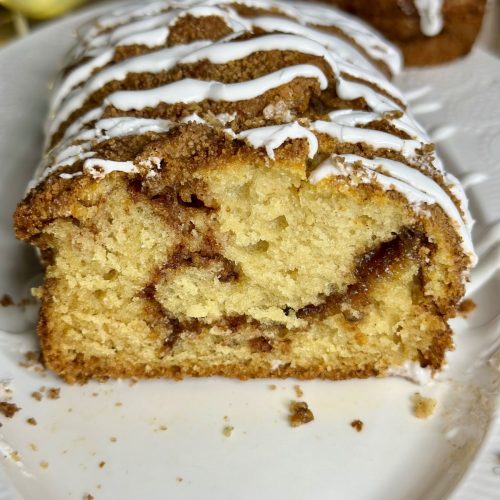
236, 188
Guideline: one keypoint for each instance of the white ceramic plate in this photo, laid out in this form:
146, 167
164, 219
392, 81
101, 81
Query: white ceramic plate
455, 453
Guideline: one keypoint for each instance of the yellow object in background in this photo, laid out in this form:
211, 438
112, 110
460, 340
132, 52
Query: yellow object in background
40, 9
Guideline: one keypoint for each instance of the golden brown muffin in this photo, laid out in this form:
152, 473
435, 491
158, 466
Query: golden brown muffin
427, 31
236, 189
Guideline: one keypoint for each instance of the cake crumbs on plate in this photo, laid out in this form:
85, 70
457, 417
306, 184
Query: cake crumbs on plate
113, 439
6, 300
33, 361
179, 479
272, 387
423, 407
53, 393
466, 307
102, 464
298, 391
33, 447
8, 409
163, 428
228, 430
44, 464
15, 456
31, 421
118, 404
300, 413
37, 395
88, 497
357, 425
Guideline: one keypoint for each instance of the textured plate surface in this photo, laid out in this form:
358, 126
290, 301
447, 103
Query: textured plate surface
164, 439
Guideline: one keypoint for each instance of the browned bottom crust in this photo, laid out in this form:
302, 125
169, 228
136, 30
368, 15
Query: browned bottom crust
82, 371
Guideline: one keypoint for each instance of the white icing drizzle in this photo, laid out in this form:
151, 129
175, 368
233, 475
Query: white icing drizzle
273, 137
431, 16
405, 123
361, 33
151, 62
98, 168
145, 32
375, 138
217, 53
189, 90
353, 74
225, 118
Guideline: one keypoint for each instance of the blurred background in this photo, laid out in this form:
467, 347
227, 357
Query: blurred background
19, 17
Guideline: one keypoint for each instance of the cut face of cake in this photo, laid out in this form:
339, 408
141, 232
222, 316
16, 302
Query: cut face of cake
237, 189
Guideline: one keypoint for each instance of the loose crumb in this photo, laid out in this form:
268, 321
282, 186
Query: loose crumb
44, 464
88, 497
298, 391
37, 395
32, 359
31, 421
8, 409
118, 403
113, 439
466, 307
95, 394
15, 456
358, 425
228, 430
32, 356
179, 479
102, 464
423, 407
163, 428
272, 387
6, 300
33, 446
299, 413
53, 393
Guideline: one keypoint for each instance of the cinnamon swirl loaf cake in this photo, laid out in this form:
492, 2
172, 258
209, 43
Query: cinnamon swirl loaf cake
427, 31
235, 188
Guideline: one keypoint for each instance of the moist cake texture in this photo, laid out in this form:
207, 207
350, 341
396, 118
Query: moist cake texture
236, 188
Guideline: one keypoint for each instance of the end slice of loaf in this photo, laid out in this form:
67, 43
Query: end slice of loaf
236, 189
